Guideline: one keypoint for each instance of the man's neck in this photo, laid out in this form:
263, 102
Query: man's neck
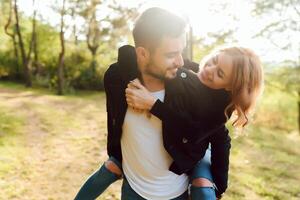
153, 84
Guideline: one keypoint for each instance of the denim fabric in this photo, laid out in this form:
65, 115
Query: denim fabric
129, 194
203, 193
97, 182
202, 170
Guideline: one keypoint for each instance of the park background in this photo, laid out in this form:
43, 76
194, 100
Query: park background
53, 54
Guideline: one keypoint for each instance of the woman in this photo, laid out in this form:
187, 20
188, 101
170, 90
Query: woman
229, 81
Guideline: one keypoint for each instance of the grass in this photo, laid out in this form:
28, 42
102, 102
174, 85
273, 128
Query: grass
49, 145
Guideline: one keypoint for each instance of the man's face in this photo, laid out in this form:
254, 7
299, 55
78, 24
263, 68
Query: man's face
166, 58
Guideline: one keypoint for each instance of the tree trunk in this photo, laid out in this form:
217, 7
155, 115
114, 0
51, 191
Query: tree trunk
74, 29
34, 42
15, 47
18, 73
299, 111
13, 37
60, 69
25, 60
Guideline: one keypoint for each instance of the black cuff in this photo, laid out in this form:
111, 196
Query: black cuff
218, 195
157, 109
174, 168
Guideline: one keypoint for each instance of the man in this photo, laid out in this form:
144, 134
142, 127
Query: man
134, 139
137, 144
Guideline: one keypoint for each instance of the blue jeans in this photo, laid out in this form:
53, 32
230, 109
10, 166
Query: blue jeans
129, 194
98, 182
202, 170
102, 178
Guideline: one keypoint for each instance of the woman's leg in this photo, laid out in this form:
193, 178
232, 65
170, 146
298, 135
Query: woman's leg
201, 178
108, 173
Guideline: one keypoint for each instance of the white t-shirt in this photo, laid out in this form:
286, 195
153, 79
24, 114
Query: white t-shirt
145, 160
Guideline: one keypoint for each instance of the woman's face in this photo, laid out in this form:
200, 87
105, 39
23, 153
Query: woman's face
217, 72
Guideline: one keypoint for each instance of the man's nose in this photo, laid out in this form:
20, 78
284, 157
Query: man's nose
179, 61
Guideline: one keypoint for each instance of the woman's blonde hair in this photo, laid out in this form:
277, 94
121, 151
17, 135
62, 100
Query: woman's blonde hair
246, 83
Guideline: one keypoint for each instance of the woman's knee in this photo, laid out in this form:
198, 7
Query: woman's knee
202, 182
113, 167
202, 188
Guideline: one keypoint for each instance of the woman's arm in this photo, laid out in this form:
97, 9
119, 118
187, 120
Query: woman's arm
138, 96
220, 151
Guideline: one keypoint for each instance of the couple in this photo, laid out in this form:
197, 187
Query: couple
163, 114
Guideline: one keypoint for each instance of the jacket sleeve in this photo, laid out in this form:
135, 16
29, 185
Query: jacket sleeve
189, 127
108, 112
220, 151
108, 78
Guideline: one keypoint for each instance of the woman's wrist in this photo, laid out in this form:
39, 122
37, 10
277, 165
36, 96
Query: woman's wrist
150, 103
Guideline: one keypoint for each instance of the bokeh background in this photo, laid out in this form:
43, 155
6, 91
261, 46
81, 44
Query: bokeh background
53, 54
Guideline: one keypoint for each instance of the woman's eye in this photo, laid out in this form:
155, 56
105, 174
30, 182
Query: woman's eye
220, 75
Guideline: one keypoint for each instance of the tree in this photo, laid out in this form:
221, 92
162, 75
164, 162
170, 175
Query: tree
25, 58
34, 41
75, 6
107, 28
12, 35
60, 68
283, 32
106, 24
93, 32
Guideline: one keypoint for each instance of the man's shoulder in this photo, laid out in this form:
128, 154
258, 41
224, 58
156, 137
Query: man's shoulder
125, 68
112, 73
191, 65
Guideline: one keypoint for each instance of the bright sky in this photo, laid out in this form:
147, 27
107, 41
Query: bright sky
202, 18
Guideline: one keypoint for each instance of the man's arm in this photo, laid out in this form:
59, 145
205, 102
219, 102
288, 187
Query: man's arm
220, 151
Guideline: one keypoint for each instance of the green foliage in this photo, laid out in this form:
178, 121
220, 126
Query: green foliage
289, 78
82, 71
9, 66
277, 109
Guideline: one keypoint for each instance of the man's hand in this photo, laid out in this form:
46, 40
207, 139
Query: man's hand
138, 97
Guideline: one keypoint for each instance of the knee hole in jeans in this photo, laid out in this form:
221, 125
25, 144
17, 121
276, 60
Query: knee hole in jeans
112, 167
202, 182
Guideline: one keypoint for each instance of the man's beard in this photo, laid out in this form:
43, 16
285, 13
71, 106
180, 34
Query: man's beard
155, 75
149, 71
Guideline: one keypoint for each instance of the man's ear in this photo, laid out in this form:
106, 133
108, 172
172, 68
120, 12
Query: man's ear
142, 54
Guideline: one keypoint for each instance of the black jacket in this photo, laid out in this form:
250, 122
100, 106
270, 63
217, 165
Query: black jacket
192, 116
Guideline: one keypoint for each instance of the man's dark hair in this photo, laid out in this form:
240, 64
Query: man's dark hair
154, 24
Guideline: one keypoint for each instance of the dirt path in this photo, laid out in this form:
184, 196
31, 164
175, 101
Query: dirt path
64, 143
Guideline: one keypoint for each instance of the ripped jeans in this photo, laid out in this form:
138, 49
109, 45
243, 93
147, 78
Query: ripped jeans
102, 178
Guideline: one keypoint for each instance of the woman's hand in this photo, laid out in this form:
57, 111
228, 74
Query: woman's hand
138, 97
